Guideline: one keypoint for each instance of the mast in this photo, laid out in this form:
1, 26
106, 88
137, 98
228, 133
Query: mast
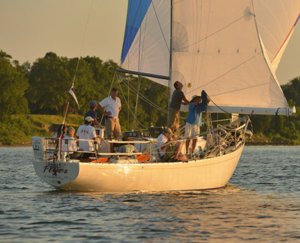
170, 58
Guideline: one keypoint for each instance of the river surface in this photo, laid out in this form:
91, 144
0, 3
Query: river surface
261, 204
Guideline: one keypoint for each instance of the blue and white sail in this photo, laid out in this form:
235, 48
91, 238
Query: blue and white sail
229, 48
146, 46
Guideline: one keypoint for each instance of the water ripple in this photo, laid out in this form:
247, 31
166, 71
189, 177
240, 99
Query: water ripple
260, 204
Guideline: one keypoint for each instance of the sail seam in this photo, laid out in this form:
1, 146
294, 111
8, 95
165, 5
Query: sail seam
214, 33
224, 74
237, 90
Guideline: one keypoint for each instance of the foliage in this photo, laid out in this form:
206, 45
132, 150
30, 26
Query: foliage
45, 84
49, 79
19, 129
280, 129
13, 84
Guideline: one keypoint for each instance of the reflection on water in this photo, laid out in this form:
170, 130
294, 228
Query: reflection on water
260, 204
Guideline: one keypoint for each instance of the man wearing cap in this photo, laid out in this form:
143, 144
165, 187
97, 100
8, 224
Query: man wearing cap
177, 99
92, 112
112, 107
197, 105
87, 132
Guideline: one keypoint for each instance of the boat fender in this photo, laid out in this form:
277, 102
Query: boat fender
143, 158
101, 160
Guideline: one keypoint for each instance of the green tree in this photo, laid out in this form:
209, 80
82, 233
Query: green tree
13, 85
49, 81
291, 91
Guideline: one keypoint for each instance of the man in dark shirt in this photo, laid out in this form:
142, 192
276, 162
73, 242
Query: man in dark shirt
92, 112
178, 98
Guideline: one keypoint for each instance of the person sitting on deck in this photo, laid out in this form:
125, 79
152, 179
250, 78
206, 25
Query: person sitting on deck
168, 148
197, 105
127, 148
69, 142
88, 134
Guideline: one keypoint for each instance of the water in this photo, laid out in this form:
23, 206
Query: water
261, 203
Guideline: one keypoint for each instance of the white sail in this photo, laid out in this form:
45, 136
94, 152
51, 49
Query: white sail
228, 48
221, 53
276, 20
146, 46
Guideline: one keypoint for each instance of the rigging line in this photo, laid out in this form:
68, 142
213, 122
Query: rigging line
146, 100
140, 59
82, 41
159, 25
133, 90
217, 31
137, 100
227, 72
131, 111
140, 124
218, 106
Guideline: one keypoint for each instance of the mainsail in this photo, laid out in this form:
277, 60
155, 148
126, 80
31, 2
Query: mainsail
228, 48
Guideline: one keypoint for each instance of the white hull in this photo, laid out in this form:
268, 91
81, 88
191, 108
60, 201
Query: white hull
127, 177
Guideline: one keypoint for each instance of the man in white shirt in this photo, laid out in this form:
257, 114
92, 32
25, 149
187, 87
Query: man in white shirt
69, 142
162, 141
88, 133
112, 107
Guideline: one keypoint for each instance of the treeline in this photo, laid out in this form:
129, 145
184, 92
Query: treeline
42, 88
280, 129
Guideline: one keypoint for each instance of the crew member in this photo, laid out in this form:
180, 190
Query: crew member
177, 99
112, 106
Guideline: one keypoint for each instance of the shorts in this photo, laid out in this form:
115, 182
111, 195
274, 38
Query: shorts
112, 128
191, 130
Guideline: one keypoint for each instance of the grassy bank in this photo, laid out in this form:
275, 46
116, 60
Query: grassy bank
19, 129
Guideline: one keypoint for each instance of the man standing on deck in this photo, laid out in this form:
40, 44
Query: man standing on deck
197, 105
92, 112
178, 98
112, 107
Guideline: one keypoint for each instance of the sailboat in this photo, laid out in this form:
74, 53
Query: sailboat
230, 49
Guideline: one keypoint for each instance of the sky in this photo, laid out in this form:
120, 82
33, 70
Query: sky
71, 28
